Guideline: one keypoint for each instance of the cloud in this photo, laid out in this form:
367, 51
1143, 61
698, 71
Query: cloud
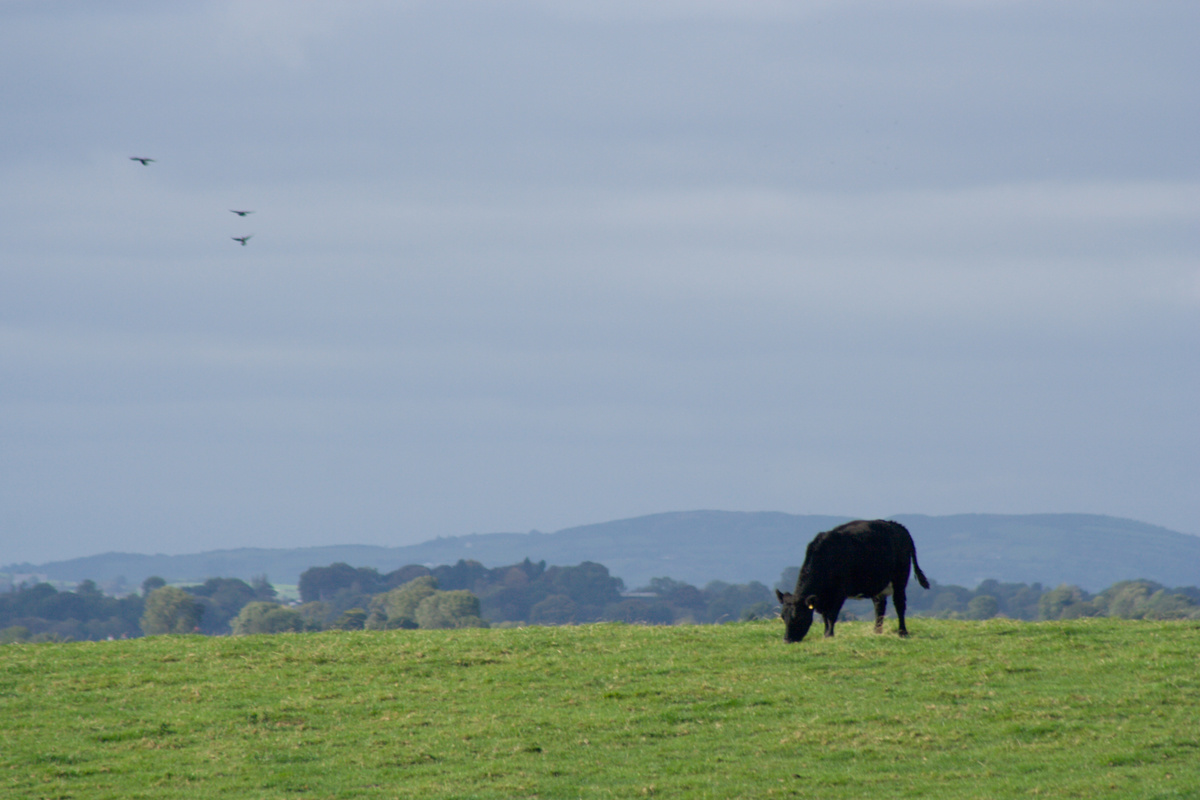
285, 30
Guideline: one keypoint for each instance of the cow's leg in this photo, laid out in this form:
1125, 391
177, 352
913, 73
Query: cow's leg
831, 617
901, 603
880, 609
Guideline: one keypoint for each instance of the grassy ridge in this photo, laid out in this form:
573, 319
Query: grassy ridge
1085, 708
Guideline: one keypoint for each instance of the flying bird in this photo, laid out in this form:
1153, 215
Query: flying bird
242, 239
145, 161
240, 213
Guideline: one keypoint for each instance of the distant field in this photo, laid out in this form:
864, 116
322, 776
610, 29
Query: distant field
1085, 708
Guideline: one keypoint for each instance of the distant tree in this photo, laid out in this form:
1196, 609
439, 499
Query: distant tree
152, 583
1016, 600
345, 599
1080, 610
949, 601
1023, 603
521, 574
64, 606
170, 610
118, 587
1125, 599
1055, 603
14, 633
352, 619
509, 592
222, 599
261, 616
685, 601
317, 616
1166, 605
398, 607
726, 602
86, 613
263, 590
588, 585
463, 575
405, 574
763, 610
129, 611
1144, 599
453, 609
1190, 592
982, 606
376, 620
322, 583
29, 601
509, 601
556, 609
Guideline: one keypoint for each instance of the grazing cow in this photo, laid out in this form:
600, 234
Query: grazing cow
858, 559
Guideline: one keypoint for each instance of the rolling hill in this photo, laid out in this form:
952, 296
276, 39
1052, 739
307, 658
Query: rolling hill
700, 546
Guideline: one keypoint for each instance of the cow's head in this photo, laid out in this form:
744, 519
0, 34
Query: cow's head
797, 615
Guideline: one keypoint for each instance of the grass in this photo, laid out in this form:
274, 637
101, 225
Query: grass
1085, 708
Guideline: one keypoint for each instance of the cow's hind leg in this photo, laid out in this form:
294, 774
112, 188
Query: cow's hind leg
880, 602
901, 603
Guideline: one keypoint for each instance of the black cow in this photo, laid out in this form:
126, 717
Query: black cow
858, 559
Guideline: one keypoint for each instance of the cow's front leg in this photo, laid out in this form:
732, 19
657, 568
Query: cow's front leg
831, 617
880, 602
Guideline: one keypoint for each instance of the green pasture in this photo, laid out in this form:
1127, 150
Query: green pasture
1083, 708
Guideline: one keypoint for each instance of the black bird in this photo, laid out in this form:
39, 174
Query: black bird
145, 161
242, 239
240, 213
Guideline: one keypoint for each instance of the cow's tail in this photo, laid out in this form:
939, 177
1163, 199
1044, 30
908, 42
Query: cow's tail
921, 579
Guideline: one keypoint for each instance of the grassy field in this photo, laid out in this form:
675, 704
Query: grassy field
1086, 708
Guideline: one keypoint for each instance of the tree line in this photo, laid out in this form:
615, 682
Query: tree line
339, 596
1137, 599
468, 594
526, 593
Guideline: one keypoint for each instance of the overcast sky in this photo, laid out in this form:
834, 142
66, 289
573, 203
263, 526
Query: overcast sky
523, 265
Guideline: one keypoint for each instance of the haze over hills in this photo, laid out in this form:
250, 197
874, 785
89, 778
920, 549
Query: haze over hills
1090, 551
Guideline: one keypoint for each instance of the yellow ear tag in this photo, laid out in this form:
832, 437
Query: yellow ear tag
810, 605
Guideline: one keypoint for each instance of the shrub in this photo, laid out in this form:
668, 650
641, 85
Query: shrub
171, 610
557, 609
457, 609
982, 606
398, 607
261, 616
353, 619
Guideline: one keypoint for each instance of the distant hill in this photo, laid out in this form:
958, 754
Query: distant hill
700, 546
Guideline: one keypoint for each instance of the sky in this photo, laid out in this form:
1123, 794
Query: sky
531, 265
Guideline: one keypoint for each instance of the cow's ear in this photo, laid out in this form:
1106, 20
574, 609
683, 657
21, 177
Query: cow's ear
811, 601
781, 597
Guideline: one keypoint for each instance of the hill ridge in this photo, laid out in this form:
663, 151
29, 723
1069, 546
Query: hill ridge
1090, 550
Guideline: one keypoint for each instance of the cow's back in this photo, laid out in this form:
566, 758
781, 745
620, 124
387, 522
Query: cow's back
857, 559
